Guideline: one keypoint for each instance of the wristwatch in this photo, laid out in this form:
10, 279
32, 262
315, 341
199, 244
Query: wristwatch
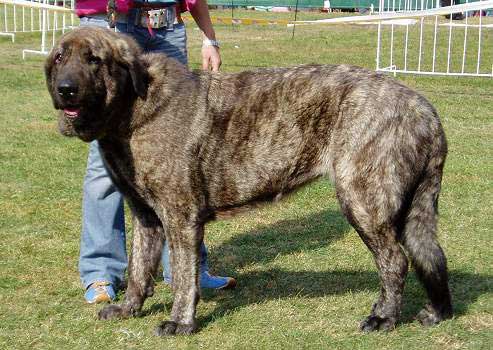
209, 42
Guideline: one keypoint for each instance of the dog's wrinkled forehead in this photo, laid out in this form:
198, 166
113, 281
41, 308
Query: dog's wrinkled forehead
102, 43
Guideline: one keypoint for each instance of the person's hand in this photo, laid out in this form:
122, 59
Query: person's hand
211, 59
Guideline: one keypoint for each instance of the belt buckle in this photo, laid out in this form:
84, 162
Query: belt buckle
157, 18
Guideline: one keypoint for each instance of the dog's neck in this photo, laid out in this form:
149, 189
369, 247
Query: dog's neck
120, 114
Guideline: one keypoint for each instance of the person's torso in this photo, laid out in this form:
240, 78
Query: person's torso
92, 7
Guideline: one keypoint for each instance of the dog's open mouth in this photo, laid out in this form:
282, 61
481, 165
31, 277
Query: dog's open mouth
71, 113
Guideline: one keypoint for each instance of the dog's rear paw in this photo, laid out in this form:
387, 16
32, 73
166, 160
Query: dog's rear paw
111, 312
172, 328
430, 317
375, 323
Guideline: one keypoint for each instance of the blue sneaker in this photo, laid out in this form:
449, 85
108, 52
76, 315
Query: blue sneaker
211, 282
100, 292
216, 282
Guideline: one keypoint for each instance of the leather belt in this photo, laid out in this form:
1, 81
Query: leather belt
154, 18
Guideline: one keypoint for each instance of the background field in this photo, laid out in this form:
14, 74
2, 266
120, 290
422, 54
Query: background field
305, 278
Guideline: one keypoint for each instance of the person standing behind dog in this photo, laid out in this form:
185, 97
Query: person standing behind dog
157, 27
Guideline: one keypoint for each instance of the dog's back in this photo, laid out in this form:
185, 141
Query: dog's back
268, 131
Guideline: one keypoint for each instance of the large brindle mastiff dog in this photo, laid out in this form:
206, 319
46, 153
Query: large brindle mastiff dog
185, 147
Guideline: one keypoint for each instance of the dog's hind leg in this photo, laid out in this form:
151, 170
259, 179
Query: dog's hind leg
147, 244
375, 227
185, 237
419, 239
392, 267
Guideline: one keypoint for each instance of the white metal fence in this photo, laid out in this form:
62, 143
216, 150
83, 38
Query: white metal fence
433, 44
413, 36
419, 39
48, 17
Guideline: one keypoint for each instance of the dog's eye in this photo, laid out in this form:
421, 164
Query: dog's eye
58, 57
94, 60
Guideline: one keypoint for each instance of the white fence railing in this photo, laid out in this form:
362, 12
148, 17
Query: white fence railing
45, 16
421, 40
436, 44
413, 36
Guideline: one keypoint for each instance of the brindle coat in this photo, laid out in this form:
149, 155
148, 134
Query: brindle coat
186, 146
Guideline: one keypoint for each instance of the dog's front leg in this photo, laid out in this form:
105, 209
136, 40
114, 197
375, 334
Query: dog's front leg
147, 244
184, 242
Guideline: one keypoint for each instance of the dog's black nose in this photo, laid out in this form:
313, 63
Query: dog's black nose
67, 89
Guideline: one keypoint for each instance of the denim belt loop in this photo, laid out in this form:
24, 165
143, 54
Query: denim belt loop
133, 16
170, 18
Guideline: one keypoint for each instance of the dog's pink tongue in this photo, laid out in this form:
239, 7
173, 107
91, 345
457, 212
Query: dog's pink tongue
71, 113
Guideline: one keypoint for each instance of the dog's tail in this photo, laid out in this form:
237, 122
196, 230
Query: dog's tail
419, 235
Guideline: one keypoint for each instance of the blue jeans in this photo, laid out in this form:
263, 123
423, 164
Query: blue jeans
103, 255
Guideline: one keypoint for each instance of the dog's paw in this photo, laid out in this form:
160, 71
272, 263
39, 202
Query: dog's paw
111, 312
430, 317
375, 323
172, 328
185, 329
166, 328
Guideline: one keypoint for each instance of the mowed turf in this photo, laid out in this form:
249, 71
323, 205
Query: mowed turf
305, 279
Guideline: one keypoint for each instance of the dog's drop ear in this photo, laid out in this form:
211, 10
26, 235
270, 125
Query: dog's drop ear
139, 77
130, 56
48, 69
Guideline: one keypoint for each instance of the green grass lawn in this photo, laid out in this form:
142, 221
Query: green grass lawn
305, 278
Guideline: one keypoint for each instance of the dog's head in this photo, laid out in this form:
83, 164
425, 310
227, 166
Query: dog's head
91, 75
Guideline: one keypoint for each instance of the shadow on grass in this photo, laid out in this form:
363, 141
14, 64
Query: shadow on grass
265, 243
260, 287
274, 284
